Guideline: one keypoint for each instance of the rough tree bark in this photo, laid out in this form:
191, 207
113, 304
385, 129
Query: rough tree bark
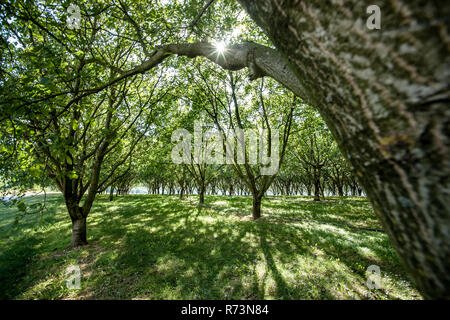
111, 193
78, 224
78, 232
202, 195
316, 189
385, 96
256, 210
181, 193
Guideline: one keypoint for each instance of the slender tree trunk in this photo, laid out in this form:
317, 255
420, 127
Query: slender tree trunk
384, 95
256, 211
202, 195
308, 190
322, 190
316, 190
353, 190
181, 192
340, 190
111, 193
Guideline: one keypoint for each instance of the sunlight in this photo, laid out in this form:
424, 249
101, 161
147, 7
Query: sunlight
220, 47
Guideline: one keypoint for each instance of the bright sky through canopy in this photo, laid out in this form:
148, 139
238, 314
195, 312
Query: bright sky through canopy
220, 47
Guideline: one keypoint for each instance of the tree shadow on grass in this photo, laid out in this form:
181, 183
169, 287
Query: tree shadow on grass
195, 254
155, 247
176, 253
281, 285
170, 250
185, 261
13, 266
346, 246
339, 211
20, 247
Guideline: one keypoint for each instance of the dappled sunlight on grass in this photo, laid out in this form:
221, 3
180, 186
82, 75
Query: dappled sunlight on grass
160, 247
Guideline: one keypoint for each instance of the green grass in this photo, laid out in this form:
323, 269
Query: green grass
158, 247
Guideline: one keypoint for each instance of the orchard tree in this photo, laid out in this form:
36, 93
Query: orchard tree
235, 106
311, 147
338, 171
72, 135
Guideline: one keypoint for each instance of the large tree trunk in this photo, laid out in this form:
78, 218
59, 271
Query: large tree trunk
340, 191
78, 217
316, 190
181, 193
78, 232
202, 195
256, 210
384, 95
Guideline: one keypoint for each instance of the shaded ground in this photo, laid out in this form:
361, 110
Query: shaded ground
158, 247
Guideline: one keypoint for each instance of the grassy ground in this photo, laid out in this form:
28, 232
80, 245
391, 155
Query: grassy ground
158, 247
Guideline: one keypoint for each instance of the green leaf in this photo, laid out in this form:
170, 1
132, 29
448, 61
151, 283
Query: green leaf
72, 175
